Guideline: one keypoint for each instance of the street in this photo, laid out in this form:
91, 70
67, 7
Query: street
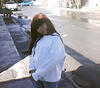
80, 32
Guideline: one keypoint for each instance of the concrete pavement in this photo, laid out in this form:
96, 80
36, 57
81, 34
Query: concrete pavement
8, 52
12, 68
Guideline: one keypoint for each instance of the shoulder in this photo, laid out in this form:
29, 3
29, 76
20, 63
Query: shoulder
55, 40
53, 36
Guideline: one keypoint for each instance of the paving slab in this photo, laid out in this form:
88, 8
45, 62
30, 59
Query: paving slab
8, 52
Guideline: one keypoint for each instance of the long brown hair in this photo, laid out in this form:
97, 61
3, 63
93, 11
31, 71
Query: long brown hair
37, 21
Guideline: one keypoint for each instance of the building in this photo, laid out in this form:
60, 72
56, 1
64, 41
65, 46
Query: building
52, 3
69, 3
94, 3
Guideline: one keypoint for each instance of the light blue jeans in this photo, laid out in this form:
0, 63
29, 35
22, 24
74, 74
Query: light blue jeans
44, 84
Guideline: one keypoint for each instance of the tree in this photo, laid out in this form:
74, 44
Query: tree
77, 3
1, 3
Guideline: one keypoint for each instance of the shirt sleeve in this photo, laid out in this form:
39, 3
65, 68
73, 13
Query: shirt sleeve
54, 57
31, 62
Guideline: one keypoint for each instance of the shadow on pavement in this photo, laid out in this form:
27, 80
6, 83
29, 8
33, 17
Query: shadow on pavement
78, 56
87, 77
27, 83
17, 83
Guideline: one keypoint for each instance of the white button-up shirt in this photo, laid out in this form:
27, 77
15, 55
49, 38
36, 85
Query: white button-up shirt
48, 59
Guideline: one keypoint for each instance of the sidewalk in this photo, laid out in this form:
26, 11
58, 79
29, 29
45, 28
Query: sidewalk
7, 48
11, 59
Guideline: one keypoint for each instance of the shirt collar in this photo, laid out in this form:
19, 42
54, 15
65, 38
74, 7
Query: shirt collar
55, 34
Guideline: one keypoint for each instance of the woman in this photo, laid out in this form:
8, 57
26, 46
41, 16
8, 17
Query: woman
47, 53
